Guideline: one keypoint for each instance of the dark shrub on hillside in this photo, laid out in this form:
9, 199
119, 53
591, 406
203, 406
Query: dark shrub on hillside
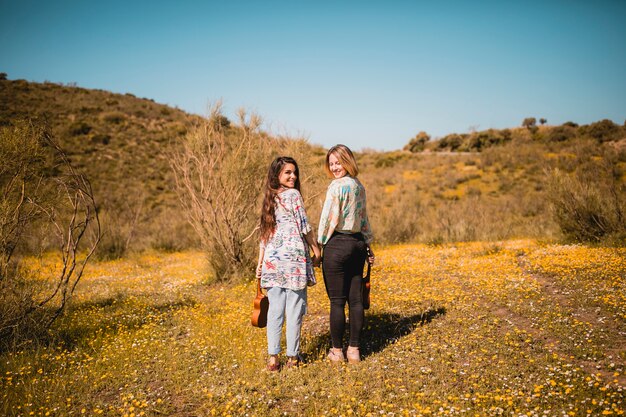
79, 128
388, 159
452, 142
219, 122
561, 133
418, 143
90, 110
603, 131
570, 124
115, 117
481, 140
100, 138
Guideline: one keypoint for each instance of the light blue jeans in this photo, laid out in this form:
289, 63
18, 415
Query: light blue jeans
290, 303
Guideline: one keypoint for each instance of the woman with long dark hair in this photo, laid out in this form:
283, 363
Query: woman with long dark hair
285, 266
345, 234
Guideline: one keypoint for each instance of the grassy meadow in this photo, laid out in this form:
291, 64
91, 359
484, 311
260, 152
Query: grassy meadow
515, 328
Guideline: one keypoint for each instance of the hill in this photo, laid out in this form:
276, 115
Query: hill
121, 142
494, 189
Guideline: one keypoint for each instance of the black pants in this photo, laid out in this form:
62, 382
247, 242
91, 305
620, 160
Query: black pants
344, 258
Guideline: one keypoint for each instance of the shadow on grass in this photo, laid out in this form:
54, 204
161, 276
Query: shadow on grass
380, 330
107, 315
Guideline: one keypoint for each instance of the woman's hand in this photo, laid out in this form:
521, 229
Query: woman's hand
259, 269
317, 257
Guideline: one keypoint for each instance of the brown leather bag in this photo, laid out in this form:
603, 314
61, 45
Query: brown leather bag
261, 305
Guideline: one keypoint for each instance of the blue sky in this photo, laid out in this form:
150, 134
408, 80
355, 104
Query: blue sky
370, 74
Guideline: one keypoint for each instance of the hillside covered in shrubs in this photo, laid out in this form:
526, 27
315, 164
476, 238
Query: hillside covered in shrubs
538, 181
601, 131
122, 144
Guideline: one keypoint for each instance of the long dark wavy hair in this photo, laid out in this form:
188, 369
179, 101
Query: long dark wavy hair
272, 188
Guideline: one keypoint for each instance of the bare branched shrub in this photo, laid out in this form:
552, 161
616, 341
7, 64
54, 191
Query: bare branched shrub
41, 196
219, 173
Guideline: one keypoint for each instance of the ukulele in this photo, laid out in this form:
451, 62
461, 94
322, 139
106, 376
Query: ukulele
260, 306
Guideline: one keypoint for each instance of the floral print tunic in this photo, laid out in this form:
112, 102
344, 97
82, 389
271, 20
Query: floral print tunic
344, 210
286, 260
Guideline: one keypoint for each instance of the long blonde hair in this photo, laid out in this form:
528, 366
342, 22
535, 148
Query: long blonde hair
345, 157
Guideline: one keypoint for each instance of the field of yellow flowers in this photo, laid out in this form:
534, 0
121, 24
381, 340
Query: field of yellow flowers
515, 328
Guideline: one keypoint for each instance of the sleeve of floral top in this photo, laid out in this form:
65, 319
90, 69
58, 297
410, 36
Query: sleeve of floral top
330, 215
297, 208
366, 230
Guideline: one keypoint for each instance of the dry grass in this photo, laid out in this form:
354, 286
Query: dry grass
507, 328
500, 193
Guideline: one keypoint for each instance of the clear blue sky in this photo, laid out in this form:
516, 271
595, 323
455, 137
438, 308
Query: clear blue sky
364, 73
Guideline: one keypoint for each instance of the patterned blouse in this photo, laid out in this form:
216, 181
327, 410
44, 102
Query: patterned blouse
286, 260
344, 210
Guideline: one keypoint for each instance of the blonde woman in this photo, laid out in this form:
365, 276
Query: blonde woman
345, 235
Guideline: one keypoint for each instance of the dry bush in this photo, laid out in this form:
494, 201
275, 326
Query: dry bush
120, 216
219, 172
397, 224
589, 204
42, 198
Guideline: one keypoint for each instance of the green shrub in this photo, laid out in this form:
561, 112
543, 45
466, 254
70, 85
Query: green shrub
418, 143
452, 142
561, 133
602, 131
481, 140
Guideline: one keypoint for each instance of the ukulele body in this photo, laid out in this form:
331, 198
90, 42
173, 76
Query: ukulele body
261, 305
